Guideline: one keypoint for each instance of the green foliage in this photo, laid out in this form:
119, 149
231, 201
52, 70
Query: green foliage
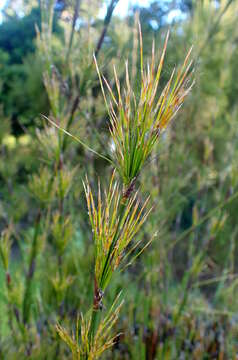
139, 123
21, 65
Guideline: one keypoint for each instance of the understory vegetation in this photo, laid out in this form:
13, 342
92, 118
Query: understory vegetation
118, 180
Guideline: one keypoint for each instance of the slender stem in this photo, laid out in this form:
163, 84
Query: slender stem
81, 91
107, 20
202, 220
8, 285
214, 27
31, 271
76, 11
102, 282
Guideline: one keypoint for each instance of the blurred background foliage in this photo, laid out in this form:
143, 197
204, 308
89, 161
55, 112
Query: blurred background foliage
181, 299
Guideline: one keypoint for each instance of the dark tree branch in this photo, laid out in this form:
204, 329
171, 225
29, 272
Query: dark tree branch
76, 101
214, 27
76, 12
107, 20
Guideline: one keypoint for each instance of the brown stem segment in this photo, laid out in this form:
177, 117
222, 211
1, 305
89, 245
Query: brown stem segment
128, 190
97, 306
98, 296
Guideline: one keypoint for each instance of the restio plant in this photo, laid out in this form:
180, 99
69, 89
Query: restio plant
70, 244
136, 123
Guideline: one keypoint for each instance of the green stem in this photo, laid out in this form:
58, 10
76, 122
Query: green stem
102, 282
202, 220
31, 271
